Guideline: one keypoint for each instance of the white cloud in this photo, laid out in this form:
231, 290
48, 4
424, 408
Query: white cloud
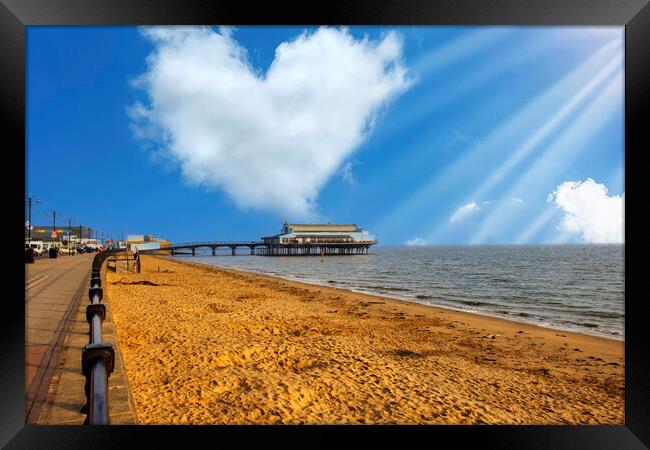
589, 211
517, 199
272, 140
415, 241
464, 211
347, 174
463, 137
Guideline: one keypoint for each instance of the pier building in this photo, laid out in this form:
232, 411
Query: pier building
318, 239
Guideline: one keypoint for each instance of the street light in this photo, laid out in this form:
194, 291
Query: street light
30, 201
53, 214
69, 235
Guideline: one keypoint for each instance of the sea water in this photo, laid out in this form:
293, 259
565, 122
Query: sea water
568, 287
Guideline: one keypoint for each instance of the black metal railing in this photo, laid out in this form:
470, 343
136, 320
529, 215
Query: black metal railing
98, 357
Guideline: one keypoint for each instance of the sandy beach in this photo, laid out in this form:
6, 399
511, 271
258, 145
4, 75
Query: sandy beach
205, 345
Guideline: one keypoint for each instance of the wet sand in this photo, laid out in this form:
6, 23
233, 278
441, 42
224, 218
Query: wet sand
205, 345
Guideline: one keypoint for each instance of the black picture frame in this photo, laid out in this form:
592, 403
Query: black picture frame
634, 15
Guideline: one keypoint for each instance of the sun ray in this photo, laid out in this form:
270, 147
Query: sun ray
437, 99
555, 121
459, 48
560, 154
550, 99
540, 135
536, 226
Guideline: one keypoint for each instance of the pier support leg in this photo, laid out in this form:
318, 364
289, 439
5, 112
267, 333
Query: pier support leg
214, 251
232, 250
193, 252
252, 250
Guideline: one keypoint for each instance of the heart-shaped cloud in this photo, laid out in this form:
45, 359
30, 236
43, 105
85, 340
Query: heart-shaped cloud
272, 140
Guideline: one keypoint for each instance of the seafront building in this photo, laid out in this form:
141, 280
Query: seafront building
145, 242
47, 233
45, 237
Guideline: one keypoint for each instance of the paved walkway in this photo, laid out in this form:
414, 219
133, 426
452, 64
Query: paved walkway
56, 295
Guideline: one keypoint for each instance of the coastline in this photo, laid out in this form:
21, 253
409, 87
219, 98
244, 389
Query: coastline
520, 321
220, 345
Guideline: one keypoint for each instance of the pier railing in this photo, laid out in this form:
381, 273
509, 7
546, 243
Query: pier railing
98, 357
209, 243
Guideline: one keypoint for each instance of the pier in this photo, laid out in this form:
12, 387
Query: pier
293, 240
267, 249
177, 249
315, 249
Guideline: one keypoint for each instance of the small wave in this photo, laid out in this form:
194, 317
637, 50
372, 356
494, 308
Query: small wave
474, 303
502, 280
387, 288
425, 297
585, 324
604, 315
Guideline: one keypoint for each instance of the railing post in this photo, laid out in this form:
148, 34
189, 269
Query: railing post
97, 357
97, 362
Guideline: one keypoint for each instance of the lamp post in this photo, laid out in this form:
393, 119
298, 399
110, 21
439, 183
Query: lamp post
30, 201
69, 235
53, 214
126, 253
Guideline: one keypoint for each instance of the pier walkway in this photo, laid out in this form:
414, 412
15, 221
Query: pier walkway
314, 248
56, 295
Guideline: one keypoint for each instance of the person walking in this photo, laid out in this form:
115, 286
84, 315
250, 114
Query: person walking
136, 260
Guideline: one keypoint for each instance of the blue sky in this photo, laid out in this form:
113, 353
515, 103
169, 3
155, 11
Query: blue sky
421, 135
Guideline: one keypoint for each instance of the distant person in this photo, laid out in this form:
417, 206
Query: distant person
135, 259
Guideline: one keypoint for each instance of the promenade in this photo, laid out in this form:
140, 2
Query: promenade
56, 295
